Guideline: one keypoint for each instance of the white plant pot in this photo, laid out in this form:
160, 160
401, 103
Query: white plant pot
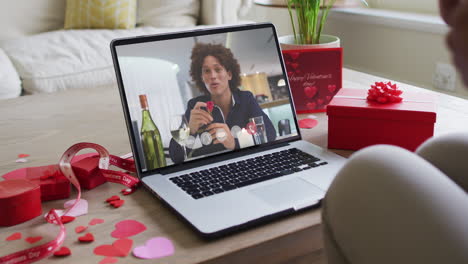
326, 41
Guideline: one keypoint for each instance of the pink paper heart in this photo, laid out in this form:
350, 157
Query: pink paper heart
96, 221
307, 123
127, 228
80, 229
310, 91
157, 247
81, 207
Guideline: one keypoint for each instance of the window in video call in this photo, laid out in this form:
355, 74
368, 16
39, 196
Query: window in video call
199, 96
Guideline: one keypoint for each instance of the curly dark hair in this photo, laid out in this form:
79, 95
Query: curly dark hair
200, 51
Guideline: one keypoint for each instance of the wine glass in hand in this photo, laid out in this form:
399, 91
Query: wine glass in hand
180, 130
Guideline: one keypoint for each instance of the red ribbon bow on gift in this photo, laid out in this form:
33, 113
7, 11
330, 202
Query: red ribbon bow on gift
384, 93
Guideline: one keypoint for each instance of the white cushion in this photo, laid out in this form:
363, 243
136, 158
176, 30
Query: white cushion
216, 12
168, 13
25, 17
10, 84
68, 59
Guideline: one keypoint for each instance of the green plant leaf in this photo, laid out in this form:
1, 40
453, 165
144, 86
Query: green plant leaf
324, 18
290, 2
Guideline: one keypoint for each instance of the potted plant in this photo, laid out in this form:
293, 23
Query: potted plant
313, 60
307, 29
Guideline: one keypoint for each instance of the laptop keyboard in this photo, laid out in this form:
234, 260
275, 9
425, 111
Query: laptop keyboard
246, 172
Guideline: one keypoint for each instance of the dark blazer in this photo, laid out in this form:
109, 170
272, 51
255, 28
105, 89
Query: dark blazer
244, 107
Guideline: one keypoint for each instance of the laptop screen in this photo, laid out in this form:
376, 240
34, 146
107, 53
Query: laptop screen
196, 94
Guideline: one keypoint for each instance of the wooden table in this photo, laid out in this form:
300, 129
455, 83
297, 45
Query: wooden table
44, 126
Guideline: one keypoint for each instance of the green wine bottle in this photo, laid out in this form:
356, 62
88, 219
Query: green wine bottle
151, 138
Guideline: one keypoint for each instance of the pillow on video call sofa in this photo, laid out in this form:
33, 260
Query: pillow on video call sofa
109, 14
168, 13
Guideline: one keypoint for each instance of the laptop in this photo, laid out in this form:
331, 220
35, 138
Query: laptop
213, 129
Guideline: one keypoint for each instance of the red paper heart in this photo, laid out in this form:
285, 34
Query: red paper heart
86, 238
209, 106
311, 105
23, 155
331, 88
108, 250
62, 252
67, 219
109, 260
127, 228
310, 91
80, 229
120, 248
307, 123
14, 236
118, 203
96, 221
113, 198
128, 191
32, 240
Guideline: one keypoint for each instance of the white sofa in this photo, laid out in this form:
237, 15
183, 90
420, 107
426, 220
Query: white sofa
38, 56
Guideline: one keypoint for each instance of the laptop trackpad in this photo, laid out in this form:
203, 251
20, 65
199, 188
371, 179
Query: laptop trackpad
289, 192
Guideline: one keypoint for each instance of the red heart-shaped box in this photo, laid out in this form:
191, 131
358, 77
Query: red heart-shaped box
20, 201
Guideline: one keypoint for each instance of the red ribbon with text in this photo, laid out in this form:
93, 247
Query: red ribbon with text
42, 251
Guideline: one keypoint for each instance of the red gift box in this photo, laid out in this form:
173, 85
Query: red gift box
315, 76
54, 185
355, 123
20, 201
88, 173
